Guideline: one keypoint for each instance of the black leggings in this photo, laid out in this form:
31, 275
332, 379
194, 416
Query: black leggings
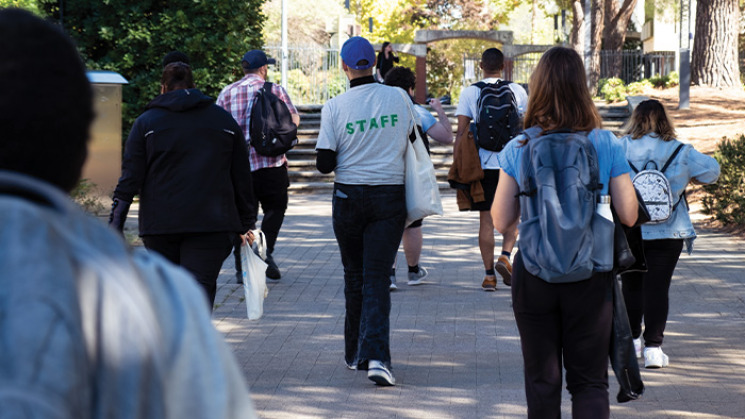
646, 293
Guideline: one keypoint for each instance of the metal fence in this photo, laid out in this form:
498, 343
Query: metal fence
314, 75
632, 66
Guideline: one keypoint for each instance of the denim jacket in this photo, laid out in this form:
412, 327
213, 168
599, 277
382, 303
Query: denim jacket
688, 165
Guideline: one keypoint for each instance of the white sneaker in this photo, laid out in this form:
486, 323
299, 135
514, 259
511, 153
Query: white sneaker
416, 278
638, 347
655, 358
393, 286
377, 372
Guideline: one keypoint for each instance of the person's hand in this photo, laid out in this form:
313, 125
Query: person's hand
248, 238
435, 104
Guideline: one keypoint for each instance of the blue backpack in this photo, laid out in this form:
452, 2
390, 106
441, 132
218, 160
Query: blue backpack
559, 190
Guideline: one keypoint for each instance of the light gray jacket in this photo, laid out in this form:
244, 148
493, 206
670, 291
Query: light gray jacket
91, 329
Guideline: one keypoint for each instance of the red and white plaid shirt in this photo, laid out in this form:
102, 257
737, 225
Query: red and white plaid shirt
237, 99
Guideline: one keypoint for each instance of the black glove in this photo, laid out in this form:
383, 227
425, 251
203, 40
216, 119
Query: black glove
118, 215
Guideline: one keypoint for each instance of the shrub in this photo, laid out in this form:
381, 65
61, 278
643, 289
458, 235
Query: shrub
612, 90
85, 194
725, 199
638, 87
673, 79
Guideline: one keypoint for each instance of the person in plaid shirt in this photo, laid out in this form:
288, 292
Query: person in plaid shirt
269, 174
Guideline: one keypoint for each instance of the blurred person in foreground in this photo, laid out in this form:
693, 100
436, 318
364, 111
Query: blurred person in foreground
89, 327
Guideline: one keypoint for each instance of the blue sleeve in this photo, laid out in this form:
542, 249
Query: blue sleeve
425, 117
509, 157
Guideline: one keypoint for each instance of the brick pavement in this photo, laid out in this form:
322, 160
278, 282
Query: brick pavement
455, 348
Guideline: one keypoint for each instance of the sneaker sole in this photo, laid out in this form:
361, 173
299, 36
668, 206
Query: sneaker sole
505, 274
381, 379
417, 282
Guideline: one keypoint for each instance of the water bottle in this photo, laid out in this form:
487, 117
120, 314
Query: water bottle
604, 207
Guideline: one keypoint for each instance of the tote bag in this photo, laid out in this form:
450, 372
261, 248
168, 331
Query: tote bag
422, 192
254, 282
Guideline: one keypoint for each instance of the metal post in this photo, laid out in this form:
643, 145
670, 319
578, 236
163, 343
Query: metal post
284, 45
684, 95
370, 25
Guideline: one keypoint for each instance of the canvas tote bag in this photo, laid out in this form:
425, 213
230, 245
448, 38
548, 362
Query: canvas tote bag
422, 192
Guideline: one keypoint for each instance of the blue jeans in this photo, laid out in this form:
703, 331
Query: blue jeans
368, 224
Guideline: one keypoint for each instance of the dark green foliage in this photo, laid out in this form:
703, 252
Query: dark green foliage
131, 38
725, 199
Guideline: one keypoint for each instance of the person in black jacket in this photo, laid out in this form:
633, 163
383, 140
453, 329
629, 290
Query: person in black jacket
186, 157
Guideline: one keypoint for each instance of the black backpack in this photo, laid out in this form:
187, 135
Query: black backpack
498, 118
271, 130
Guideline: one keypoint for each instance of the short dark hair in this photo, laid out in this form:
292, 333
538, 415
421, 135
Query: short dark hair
400, 76
175, 57
492, 60
177, 76
46, 104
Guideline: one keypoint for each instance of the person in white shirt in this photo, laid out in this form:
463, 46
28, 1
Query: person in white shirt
492, 64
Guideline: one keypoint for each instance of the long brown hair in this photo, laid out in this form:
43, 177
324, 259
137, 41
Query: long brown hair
559, 97
650, 117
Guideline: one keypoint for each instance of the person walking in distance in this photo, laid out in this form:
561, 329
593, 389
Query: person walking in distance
560, 299
269, 174
386, 60
651, 143
363, 139
439, 130
469, 116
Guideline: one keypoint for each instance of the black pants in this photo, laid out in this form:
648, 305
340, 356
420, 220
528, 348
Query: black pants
569, 325
646, 293
270, 189
202, 254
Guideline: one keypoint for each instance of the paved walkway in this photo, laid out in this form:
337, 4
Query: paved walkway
455, 348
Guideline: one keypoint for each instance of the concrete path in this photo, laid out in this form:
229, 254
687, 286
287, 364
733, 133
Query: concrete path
455, 348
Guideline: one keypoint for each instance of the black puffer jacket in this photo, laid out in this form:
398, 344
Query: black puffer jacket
186, 157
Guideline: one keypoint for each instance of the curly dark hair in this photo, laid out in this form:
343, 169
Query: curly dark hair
400, 77
46, 105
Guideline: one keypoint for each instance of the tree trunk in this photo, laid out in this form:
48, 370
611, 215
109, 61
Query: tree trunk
715, 56
533, 20
614, 33
576, 37
595, 44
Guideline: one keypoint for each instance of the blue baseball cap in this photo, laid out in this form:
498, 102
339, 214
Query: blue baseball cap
355, 51
256, 58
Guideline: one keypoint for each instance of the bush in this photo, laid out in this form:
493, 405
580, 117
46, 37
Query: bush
725, 200
612, 90
85, 194
673, 79
638, 87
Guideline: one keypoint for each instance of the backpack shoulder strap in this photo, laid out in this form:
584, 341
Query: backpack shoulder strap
480, 84
671, 158
633, 167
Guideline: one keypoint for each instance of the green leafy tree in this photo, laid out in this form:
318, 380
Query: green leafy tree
30, 5
131, 38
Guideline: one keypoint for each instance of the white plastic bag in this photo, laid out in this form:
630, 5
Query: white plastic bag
254, 282
422, 191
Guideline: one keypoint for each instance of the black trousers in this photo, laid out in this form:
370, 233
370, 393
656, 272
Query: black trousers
270, 190
646, 293
565, 325
202, 254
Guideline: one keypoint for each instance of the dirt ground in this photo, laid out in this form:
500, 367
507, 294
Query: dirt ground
713, 114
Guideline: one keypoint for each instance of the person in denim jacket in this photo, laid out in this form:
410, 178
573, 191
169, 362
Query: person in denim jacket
651, 137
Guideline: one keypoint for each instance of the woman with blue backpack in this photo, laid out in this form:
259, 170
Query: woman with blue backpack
662, 167
551, 177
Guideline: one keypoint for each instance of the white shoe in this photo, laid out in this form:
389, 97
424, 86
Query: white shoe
638, 347
655, 358
380, 374
416, 278
393, 286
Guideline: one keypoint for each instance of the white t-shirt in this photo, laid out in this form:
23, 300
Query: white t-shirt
468, 106
368, 127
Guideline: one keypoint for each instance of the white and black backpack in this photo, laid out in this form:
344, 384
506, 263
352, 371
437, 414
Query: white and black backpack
655, 190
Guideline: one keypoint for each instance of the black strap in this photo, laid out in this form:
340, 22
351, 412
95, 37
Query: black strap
672, 156
667, 163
